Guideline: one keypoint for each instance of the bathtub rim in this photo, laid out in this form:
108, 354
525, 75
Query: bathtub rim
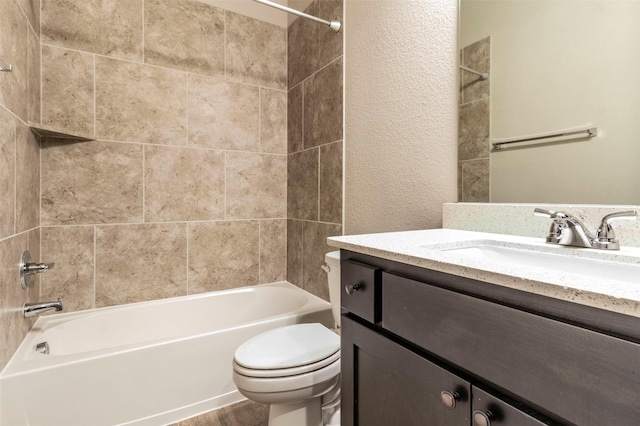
18, 365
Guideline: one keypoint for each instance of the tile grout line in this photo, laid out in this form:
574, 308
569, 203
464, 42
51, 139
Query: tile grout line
95, 262
144, 184
15, 177
95, 98
187, 260
143, 39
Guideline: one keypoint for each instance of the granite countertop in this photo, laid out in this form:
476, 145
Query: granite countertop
425, 249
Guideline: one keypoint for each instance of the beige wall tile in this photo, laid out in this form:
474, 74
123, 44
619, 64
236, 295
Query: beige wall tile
294, 251
91, 182
14, 50
323, 106
330, 43
303, 47
476, 56
273, 250
34, 77
273, 121
473, 130
136, 263
140, 103
184, 34
13, 326
107, 27
315, 235
331, 183
7, 173
223, 255
223, 115
31, 9
183, 184
71, 248
256, 52
67, 91
302, 185
256, 185
33, 245
475, 181
294, 120
27, 179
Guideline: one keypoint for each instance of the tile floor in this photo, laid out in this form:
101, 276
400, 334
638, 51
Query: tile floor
246, 413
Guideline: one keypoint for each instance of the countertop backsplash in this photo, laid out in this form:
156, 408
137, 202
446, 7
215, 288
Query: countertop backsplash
518, 219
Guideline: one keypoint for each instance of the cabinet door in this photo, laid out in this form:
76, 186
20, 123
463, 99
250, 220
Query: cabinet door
573, 374
386, 384
491, 411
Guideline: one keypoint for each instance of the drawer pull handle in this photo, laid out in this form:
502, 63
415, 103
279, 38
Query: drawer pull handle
352, 288
483, 418
449, 399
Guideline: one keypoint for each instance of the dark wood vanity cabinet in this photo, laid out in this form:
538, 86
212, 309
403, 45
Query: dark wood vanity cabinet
427, 348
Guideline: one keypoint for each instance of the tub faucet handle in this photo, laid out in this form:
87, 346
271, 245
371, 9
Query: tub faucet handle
29, 268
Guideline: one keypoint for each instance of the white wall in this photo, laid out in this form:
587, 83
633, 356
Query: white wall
533, 92
400, 113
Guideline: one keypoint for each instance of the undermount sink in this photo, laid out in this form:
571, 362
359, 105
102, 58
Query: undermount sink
586, 262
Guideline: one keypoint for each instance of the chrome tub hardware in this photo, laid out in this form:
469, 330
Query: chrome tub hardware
32, 309
42, 348
568, 230
28, 269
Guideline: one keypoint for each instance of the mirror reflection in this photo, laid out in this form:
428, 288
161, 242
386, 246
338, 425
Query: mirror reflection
554, 66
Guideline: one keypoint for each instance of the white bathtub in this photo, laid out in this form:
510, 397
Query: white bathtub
150, 363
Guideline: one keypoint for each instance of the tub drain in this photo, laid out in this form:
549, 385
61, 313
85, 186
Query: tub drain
42, 348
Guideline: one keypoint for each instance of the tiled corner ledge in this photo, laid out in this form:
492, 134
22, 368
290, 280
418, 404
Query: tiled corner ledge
518, 219
53, 133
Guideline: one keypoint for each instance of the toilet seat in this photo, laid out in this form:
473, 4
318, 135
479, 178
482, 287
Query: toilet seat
286, 351
286, 372
306, 385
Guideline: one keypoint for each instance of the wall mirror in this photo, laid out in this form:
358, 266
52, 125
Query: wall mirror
554, 66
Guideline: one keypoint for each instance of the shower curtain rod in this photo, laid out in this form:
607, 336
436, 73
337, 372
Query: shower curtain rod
334, 25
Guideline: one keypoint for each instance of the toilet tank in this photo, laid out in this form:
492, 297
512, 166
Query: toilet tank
332, 260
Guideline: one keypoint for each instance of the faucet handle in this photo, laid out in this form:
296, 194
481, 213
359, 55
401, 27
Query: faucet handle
605, 237
555, 231
542, 212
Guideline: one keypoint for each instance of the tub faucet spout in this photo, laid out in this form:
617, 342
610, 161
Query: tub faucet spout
32, 309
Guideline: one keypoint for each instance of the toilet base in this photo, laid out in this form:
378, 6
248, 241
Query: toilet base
307, 413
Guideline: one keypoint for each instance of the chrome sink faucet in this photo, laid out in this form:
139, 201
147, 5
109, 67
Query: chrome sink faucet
568, 230
32, 309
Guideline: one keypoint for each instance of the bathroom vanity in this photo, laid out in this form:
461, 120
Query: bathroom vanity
434, 336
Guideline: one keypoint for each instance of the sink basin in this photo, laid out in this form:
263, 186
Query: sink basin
587, 262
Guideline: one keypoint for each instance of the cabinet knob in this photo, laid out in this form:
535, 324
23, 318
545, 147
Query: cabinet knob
351, 288
483, 418
449, 399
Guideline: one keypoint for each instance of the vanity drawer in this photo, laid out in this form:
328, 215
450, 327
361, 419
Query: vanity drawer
584, 377
361, 285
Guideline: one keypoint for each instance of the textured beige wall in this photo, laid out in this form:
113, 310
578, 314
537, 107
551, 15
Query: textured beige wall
401, 113
19, 165
185, 189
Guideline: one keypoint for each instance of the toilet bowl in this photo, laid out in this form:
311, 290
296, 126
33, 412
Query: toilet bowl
296, 368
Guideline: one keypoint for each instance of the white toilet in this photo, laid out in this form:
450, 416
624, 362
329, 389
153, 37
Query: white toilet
296, 368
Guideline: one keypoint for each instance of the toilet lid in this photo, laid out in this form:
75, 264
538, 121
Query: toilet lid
288, 347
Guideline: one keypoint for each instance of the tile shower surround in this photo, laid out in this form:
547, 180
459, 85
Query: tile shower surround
182, 201
19, 160
315, 148
474, 124
184, 190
